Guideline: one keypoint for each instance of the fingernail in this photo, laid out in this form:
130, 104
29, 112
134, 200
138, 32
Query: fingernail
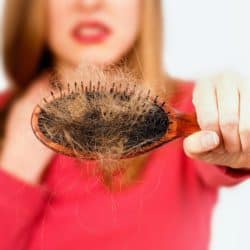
209, 140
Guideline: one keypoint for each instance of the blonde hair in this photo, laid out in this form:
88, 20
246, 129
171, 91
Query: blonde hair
26, 54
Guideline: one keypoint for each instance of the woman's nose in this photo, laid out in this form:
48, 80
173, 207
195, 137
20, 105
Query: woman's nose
89, 4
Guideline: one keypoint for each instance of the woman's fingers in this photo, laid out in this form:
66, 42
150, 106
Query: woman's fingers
222, 107
204, 99
217, 104
228, 107
200, 142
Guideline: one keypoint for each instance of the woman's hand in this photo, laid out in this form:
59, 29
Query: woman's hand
222, 105
23, 155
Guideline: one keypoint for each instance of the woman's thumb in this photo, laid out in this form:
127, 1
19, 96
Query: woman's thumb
201, 142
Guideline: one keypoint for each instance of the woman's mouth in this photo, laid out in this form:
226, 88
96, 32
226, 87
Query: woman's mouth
90, 32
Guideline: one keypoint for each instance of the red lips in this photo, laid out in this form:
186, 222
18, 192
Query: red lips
90, 32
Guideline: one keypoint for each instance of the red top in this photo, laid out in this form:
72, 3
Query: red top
169, 208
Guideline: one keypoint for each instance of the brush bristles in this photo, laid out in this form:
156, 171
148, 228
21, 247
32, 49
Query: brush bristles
109, 122
106, 119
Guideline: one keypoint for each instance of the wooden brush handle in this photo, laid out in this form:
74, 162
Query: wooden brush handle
182, 125
186, 124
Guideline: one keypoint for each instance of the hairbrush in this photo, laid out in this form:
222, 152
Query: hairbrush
94, 121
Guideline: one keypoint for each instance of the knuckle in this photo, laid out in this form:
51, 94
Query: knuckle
229, 123
209, 123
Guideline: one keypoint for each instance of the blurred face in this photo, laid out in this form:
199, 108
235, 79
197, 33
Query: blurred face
96, 31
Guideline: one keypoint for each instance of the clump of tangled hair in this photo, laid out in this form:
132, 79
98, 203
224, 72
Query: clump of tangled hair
90, 109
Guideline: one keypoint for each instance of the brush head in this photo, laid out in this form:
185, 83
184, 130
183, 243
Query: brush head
93, 121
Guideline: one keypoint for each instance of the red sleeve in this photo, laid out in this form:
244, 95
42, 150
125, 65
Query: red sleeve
21, 206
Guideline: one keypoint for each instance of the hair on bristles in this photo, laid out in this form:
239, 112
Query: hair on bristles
103, 110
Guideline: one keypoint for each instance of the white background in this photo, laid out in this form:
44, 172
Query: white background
207, 36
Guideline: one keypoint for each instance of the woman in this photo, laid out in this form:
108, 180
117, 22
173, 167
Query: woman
48, 201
